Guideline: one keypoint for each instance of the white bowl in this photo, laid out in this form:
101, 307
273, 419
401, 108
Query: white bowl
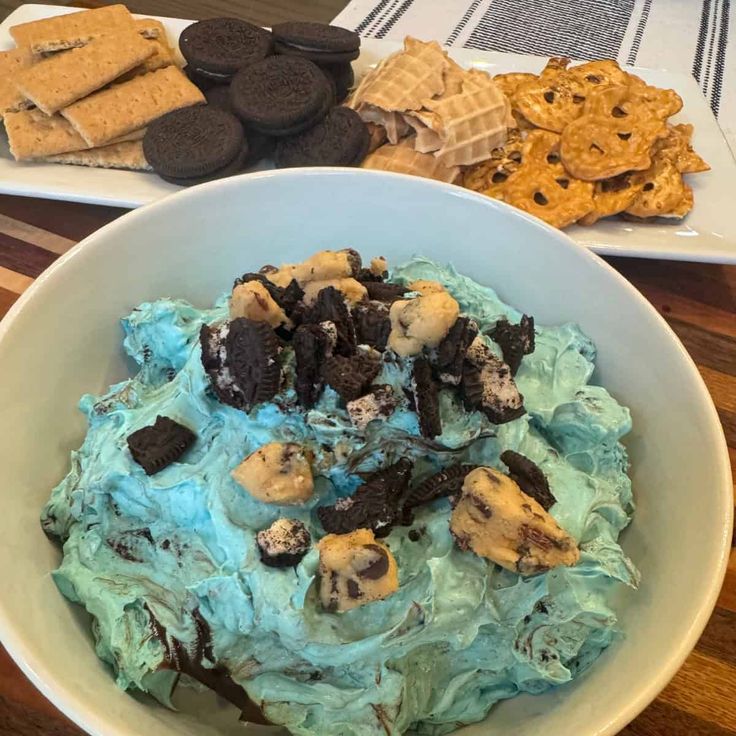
62, 339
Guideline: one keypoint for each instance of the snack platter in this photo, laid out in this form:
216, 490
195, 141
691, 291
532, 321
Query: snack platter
708, 233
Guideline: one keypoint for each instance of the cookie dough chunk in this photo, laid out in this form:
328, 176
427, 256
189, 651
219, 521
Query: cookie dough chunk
352, 290
253, 301
495, 519
277, 473
422, 322
355, 569
322, 266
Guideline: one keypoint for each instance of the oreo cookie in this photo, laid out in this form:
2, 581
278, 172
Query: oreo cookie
372, 324
447, 482
204, 83
319, 42
426, 398
488, 386
284, 543
375, 505
157, 446
281, 95
220, 47
342, 76
260, 146
450, 354
241, 359
515, 341
351, 376
340, 139
219, 96
381, 291
193, 142
231, 169
529, 477
312, 344
330, 306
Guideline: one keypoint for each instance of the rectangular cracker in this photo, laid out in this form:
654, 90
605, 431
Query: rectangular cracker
32, 134
162, 56
65, 78
72, 30
131, 105
11, 63
150, 28
128, 155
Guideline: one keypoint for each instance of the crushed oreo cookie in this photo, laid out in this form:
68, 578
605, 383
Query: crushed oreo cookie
445, 483
284, 543
529, 477
379, 403
312, 344
426, 398
372, 324
241, 359
515, 341
488, 386
450, 353
367, 275
375, 505
157, 446
351, 376
380, 291
330, 306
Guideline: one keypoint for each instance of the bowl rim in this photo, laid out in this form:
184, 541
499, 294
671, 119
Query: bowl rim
77, 710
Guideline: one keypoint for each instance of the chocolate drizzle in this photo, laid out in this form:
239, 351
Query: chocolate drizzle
180, 659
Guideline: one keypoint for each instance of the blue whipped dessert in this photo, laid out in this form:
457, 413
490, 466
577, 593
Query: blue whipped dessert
351, 500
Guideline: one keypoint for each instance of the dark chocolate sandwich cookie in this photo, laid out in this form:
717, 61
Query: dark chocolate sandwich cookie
316, 41
219, 96
281, 95
193, 142
237, 165
340, 139
260, 146
204, 83
219, 47
342, 75
159, 445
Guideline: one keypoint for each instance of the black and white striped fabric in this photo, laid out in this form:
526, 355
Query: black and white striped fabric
694, 36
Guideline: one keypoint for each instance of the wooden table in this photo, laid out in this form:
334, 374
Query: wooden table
698, 301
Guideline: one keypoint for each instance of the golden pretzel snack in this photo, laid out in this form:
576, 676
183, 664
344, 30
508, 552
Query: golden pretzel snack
550, 102
677, 148
508, 83
610, 197
558, 200
612, 137
663, 192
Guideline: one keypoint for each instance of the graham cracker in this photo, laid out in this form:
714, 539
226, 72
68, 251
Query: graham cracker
58, 81
32, 134
162, 56
128, 155
12, 62
72, 30
115, 111
150, 28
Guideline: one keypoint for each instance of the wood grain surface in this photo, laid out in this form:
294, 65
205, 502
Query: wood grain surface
698, 301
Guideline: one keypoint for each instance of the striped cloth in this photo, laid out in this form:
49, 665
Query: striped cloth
679, 35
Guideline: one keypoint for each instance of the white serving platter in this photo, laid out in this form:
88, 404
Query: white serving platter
707, 234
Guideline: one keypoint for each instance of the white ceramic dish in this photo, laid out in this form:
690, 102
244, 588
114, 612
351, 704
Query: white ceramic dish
62, 338
708, 233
